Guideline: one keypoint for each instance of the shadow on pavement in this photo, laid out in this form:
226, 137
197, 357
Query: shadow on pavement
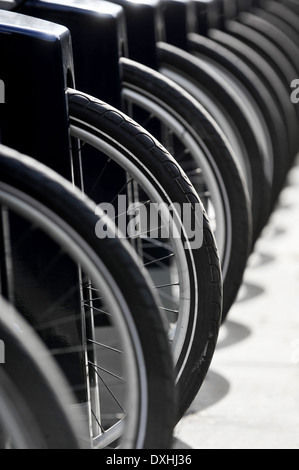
249, 291
232, 333
214, 388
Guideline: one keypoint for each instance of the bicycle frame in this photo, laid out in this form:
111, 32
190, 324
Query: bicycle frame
36, 56
153, 21
102, 23
122, 22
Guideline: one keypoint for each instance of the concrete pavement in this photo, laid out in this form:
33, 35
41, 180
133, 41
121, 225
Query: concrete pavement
250, 398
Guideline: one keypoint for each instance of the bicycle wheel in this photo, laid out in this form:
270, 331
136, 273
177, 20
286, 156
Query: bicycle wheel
197, 144
279, 20
61, 277
119, 153
266, 46
279, 10
35, 398
240, 73
275, 86
216, 94
274, 67
292, 5
276, 31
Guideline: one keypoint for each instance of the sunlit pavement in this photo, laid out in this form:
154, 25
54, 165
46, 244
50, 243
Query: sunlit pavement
250, 398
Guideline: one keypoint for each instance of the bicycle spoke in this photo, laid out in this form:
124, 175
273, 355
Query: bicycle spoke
105, 346
108, 389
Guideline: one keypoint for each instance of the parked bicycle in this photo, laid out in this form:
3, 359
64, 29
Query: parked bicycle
182, 125
34, 395
119, 158
212, 128
76, 280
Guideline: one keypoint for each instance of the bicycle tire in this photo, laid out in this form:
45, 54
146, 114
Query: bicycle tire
197, 123
278, 19
265, 72
277, 69
279, 10
143, 154
193, 75
33, 410
236, 67
48, 202
267, 48
292, 6
275, 30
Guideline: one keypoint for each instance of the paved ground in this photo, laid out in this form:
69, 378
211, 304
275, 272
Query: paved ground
250, 399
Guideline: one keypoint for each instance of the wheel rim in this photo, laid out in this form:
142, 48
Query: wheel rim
181, 302
133, 367
216, 200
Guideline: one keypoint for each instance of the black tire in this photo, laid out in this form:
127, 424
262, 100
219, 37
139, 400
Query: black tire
191, 72
292, 5
268, 48
222, 57
146, 154
279, 64
285, 148
283, 12
276, 31
38, 191
34, 394
198, 124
